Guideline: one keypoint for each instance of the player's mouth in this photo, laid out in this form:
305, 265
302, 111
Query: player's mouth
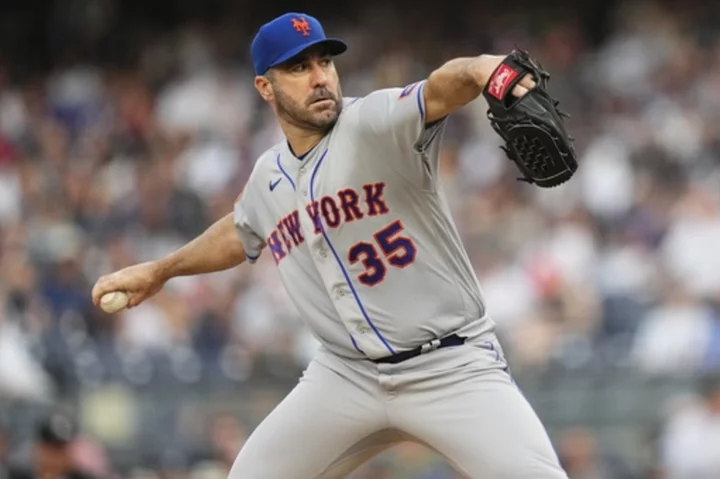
322, 101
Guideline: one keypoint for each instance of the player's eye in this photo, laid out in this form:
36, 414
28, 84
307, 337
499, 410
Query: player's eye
299, 67
325, 61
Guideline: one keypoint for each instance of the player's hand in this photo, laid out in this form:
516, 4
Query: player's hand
140, 282
488, 64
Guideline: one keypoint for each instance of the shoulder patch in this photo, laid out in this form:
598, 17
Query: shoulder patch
408, 89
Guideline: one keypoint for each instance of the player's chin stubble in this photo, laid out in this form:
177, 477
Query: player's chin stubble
307, 116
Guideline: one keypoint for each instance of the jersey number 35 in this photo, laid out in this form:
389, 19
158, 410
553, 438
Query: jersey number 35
395, 249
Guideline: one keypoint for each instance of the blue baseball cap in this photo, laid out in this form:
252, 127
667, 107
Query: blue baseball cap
286, 36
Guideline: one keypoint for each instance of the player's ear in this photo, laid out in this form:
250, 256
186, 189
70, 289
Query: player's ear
264, 87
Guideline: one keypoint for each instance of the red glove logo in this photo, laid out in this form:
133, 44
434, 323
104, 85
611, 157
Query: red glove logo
500, 81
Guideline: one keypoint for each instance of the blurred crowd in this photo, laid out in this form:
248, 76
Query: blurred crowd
107, 164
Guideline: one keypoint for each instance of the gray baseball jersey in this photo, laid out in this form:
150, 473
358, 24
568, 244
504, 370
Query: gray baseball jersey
361, 232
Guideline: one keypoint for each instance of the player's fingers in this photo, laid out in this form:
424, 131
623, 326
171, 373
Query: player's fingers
97, 291
519, 90
104, 284
136, 298
525, 85
528, 82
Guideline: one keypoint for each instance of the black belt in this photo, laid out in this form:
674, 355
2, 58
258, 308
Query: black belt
452, 340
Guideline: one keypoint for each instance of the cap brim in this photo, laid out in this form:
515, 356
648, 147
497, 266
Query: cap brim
334, 45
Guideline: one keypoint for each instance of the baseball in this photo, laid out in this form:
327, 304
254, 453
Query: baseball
114, 302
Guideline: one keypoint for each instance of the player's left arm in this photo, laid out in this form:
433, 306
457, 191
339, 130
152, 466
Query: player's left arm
460, 81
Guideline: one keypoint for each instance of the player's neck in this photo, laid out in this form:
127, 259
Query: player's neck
301, 141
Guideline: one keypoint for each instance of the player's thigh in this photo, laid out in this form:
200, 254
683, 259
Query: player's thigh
362, 452
482, 424
323, 417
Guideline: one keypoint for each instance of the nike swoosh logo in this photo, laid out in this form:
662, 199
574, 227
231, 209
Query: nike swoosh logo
275, 183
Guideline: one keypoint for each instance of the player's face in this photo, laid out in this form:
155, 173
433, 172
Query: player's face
306, 91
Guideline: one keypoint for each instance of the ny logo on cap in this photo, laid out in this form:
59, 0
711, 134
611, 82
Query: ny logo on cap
302, 26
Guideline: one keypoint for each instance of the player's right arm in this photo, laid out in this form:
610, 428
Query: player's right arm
217, 249
224, 245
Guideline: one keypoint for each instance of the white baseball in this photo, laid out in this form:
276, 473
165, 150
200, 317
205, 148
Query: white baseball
114, 302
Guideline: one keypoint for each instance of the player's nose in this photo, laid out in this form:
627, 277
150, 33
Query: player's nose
318, 75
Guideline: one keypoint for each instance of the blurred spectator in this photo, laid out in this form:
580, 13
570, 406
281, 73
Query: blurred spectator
21, 375
690, 447
695, 231
673, 337
227, 438
51, 456
4, 453
581, 457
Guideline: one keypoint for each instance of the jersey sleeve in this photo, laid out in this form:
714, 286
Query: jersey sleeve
397, 115
252, 243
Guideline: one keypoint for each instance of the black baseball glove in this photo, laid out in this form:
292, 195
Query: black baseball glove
532, 126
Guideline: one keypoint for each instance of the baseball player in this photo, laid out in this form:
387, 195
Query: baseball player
351, 209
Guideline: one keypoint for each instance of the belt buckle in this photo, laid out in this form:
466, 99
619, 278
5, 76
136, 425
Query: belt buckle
430, 346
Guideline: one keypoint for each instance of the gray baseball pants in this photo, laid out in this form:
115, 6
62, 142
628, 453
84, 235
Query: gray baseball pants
459, 401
